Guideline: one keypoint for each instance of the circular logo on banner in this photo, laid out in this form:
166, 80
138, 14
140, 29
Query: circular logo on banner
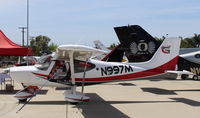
143, 47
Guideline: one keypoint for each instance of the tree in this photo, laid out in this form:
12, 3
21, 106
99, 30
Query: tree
190, 43
112, 46
40, 45
52, 47
193, 42
160, 40
184, 43
196, 39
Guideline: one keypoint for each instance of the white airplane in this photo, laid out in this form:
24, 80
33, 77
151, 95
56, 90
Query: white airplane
76, 68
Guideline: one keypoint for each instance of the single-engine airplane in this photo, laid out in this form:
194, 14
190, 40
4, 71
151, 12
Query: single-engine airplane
72, 66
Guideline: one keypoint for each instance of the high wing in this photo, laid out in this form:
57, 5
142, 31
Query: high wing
80, 52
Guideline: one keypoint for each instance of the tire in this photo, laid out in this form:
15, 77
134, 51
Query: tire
183, 76
74, 103
195, 77
22, 100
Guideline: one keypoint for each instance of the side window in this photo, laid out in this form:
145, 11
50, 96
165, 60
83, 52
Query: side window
79, 66
197, 56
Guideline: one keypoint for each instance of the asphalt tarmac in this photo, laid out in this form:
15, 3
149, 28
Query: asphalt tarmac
130, 99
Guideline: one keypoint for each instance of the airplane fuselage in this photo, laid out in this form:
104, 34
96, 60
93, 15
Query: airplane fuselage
95, 72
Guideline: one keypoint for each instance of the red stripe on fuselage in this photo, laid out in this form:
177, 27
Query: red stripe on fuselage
151, 72
41, 74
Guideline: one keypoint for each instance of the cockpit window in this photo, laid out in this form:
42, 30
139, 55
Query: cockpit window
197, 56
44, 59
44, 62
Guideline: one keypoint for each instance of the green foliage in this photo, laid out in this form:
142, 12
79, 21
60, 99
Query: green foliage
193, 42
40, 45
184, 44
160, 40
112, 46
52, 47
196, 39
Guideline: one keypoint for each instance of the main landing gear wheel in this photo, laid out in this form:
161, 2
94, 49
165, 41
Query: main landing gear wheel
22, 100
184, 76
74, 103
195, 77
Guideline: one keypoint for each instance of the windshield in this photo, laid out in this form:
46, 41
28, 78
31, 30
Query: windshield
44, 62
44, 59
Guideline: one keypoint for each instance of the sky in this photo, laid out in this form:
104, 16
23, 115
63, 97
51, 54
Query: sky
83, 21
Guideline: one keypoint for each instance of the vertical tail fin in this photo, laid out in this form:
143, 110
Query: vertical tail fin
137, 45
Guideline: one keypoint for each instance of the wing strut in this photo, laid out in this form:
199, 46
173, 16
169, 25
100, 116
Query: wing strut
71, 63
85, 68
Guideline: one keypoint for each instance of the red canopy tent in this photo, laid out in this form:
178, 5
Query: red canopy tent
9, 48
